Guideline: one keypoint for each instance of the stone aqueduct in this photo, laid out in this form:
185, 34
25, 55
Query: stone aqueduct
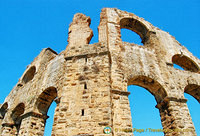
89, 81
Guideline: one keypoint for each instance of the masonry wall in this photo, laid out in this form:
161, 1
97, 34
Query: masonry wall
86, 95
89, 82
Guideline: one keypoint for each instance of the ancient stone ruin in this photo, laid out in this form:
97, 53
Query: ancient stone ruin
89, 81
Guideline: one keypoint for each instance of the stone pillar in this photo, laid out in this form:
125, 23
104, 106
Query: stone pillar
121, 114
79, 31
103, 28
85, 105
32, 124
175, 117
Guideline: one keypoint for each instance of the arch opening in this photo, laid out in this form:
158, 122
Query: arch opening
130, 37
46, 105
135, 26
3, 110
16, 116
194, 109
143, 115
193, 90
45, 99
29, 75
17, 112
141, 84
50, 120
151, 85
185, 62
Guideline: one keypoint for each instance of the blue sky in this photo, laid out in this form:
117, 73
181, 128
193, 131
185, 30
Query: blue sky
28, 26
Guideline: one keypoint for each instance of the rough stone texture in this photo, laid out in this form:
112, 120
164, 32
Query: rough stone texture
89, 81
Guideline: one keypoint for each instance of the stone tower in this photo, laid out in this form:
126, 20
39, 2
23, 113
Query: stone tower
89, 81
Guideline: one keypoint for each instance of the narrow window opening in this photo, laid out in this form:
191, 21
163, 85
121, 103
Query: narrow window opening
86, 60
82, 112
85, 86
50, 120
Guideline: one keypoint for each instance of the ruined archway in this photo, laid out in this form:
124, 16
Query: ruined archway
44, 101
3, 110
143, 112
151, 85
135, 26
156, 89
16, 116
29, 74
185, 62
193, 90
17, 112
103, 101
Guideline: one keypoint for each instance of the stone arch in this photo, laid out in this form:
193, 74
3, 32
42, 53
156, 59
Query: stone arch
45, 99
185, 62
42, 105
156, 89
17, 112
163, 100
135, 26
3, 110
152, 85
193, 90
29, 75
16, 116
